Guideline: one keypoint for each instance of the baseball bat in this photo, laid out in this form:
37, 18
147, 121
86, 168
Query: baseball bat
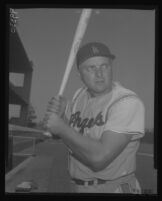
79, 33
81, 28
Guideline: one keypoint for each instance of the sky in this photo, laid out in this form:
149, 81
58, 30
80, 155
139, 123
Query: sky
47, 36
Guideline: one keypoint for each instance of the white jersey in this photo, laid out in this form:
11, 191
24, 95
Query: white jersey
120, 111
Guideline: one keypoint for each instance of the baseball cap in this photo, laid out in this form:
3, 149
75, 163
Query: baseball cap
92, 49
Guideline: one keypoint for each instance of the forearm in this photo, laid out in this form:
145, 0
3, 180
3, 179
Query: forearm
87, 150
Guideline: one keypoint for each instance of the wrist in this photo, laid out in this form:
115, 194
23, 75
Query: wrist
64, 127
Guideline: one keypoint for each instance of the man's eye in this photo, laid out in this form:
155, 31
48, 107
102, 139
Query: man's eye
105, 66
90, 68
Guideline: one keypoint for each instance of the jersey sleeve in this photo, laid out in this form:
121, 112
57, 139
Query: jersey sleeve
127, 116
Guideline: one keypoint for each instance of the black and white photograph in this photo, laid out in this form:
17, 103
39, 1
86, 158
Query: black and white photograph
73, 75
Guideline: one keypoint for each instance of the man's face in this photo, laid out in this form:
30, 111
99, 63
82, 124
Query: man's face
96, 74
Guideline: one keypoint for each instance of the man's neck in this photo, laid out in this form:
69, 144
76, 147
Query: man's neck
95, 94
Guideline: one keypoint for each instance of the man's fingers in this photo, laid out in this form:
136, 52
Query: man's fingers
53, 109
46, 119
56, 99
54, 104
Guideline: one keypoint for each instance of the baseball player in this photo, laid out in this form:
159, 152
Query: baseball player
102, 126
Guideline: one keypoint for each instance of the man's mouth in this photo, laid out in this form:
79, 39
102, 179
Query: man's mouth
99, 81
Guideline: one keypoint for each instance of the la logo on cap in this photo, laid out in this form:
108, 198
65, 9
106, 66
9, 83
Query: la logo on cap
95, 50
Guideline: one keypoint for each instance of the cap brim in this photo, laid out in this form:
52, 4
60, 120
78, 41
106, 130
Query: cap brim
112, 56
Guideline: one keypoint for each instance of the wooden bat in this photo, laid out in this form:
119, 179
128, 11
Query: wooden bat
80, 31
81, 28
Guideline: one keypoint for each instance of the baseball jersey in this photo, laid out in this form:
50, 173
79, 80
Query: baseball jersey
120, 111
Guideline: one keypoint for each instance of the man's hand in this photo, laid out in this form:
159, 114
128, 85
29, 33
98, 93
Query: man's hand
57, 105
55, 110
55, 124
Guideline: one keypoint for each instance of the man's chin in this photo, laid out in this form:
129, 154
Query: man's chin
98, 91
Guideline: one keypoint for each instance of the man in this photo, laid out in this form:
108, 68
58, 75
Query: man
102, 126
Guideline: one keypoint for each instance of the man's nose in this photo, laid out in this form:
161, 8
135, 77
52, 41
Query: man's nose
99, 72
